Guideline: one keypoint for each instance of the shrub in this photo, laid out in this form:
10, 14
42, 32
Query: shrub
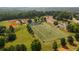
11, 48
77, 36
30, 29
2, 42
70, 40
63, 42
20, 47
2, 29
55, 46
11, 29
11, 37
36, 45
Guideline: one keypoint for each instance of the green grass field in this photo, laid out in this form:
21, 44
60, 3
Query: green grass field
48, 33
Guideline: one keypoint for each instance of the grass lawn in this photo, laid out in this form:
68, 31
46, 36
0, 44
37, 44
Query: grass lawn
47, 33
4, 23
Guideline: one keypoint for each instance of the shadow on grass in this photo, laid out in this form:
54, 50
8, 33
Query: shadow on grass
65, 47
73, 44
55, 50
1, 47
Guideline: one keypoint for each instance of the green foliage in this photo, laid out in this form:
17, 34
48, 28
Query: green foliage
11, 29
38, 20
55, 46
2, 42
73, 27
20, 47
11, 48
2, 29
11, 37
77, 36
36, 45
63, 42
70, 40
60, 15
29, 28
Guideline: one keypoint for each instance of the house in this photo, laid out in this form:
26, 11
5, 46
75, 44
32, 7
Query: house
75, 20
49, 19
62, 26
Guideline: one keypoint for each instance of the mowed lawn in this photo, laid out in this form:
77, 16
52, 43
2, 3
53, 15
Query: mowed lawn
47, 33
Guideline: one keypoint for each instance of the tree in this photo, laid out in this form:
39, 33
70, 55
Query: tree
2, 30
77, 36
20, 47
11, 28
11, 37
17, 47
73, 27
29, 28
55, 46
23, 47
2, 42
11, 48
63, 42
70, 40
36, 45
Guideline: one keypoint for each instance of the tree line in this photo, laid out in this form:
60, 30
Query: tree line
59, 15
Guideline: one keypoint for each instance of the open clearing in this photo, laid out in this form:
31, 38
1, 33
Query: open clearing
47, 33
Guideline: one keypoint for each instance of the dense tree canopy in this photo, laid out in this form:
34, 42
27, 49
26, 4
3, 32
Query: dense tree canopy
36, 45
73, 27
59, 15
